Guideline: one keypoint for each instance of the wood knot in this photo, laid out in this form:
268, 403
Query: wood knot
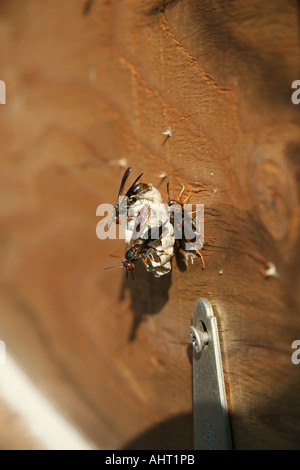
275, 195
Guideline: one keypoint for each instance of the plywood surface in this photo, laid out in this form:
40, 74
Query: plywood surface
88, 84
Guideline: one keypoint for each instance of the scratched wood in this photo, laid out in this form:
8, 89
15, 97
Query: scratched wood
90, 83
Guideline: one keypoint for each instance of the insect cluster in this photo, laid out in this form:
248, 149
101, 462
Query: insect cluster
149, 226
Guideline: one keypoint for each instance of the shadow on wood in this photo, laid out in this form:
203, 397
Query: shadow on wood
148, 295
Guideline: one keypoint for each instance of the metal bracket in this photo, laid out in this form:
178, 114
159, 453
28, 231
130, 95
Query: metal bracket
211, 423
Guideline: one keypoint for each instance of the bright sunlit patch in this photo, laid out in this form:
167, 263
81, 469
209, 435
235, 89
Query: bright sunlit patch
50, 427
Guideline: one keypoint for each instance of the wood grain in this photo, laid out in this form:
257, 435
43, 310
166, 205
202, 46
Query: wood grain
89, 83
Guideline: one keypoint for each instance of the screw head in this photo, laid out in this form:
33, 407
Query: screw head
198, 339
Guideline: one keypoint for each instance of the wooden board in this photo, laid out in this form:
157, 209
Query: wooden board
14, 434
90, 83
